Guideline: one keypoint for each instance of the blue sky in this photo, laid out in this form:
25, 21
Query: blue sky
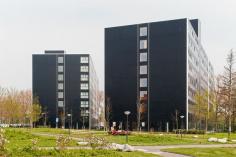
77, 26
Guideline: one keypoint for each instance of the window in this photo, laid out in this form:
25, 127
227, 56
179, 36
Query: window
60, 103
143, 31
60, 86
60, 77
60, 60
143, 57
84, 86
84, 68
83, 59
84, 77
84, 112
60, 95
143, 93
84, 103
84, 95
143, 44
143, 69
143, 82
60, 68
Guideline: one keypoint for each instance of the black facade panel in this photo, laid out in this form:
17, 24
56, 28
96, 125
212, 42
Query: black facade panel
44, 84
167, 71
121, 71
72, 87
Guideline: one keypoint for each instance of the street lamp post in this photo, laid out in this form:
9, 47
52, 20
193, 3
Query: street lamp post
57, 120
182, 117
45, 118
70, 124
127, 113
83, 123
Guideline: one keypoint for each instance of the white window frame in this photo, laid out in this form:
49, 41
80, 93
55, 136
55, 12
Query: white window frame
143, 69
84, 77
142, 93
60, 77
60, 95
84, 86
60, 68
84, 69
143, 44
142, 31
143, 82
60, 86
60, 59
84, 95
60, 103
84, 59
84, 104
143, 57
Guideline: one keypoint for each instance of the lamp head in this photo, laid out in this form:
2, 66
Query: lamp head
127, 112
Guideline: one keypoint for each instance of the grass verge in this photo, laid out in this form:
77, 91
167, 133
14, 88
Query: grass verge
204, 152
20, 145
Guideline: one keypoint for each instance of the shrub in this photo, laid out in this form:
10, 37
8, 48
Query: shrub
34, 143
119, 132
96, 142
62, 142
3, 140
190, 131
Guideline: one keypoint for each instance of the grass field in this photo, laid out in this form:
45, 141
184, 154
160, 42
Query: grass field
204, 152
20, 145
73, 153
137, 138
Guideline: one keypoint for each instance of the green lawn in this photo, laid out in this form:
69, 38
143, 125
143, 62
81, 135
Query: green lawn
141, 138
19, 138
20, 145
154, 139
74, 153
159, 139
204, 152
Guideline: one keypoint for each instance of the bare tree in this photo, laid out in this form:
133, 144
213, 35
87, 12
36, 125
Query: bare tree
141, 109
101, 115
108, 112
219, 102
2, 96
25, 101
16, 106
228, 82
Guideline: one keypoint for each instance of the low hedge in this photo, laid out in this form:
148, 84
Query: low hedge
190, 131
119, 132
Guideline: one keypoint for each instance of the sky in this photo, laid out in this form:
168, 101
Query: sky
77, 26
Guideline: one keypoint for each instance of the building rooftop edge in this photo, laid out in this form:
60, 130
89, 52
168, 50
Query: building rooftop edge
151, 22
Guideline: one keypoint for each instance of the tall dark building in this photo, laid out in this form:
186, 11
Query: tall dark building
154, 70
66, 85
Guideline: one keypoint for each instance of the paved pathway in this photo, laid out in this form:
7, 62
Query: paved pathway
157, 149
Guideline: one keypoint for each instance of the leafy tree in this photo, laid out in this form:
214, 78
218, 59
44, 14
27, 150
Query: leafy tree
35, 112
201, 109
